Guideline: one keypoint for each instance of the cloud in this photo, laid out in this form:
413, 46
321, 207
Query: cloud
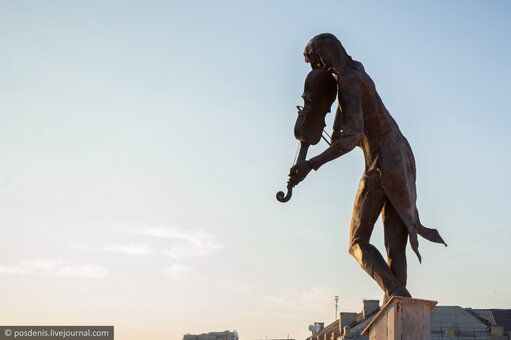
183, 243
177, 272
86, 270
294, 304
14, 269
52, 267
311, 299
132, 249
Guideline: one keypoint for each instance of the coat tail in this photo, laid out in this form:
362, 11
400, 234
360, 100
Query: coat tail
430, 234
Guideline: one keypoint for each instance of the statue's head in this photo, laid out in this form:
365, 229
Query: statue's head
325, 52
319, 93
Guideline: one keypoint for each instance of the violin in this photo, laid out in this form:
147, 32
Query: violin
320, 91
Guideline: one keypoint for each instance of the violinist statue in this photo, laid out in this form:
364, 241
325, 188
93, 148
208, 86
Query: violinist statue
388, 183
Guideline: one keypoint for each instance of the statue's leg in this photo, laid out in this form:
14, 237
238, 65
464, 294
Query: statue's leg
396, 238
368, 205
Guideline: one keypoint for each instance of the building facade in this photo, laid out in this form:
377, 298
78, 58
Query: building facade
226, 335
447, 322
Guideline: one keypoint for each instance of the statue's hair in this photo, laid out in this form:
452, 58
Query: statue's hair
331, 40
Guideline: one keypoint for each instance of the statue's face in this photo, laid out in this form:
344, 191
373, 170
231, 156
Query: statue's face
320, 57
312, 57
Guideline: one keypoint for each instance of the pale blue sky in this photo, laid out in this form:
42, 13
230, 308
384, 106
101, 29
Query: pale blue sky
142, 143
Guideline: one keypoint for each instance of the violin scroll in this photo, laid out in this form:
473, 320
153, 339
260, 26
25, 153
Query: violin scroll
302, 154
281, 197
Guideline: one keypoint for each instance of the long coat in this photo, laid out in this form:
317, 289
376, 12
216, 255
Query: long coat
385, 148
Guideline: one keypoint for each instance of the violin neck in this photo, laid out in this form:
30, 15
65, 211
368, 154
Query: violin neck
303, 151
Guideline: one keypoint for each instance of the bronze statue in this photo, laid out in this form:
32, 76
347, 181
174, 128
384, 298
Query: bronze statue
388, 183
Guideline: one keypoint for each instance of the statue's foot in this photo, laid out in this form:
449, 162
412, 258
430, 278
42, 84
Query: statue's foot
401, 292
398, 292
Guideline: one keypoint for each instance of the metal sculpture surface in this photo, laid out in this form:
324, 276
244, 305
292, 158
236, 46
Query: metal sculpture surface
388, 183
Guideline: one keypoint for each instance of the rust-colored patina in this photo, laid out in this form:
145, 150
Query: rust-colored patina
388, 183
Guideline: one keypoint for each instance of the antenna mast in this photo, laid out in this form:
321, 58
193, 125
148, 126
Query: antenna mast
336, 298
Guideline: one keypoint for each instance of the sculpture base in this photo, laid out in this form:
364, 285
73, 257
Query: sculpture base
401, 318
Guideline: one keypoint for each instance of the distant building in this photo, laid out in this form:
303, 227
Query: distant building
226, 335
447, 322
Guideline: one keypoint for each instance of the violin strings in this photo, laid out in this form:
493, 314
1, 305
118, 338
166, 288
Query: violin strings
326, 133
296, 154
326, 140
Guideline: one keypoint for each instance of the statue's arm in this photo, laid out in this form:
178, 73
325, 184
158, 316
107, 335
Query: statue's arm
353, 125
337, 127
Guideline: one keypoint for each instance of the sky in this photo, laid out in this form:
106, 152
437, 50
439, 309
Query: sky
142, 144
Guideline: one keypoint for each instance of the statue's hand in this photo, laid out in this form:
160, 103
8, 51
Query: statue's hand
298, 172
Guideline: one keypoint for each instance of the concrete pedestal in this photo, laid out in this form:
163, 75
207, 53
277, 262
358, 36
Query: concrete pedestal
401, 319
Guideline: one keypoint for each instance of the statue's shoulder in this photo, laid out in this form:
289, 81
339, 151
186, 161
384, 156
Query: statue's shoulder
351, 80
355, 77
